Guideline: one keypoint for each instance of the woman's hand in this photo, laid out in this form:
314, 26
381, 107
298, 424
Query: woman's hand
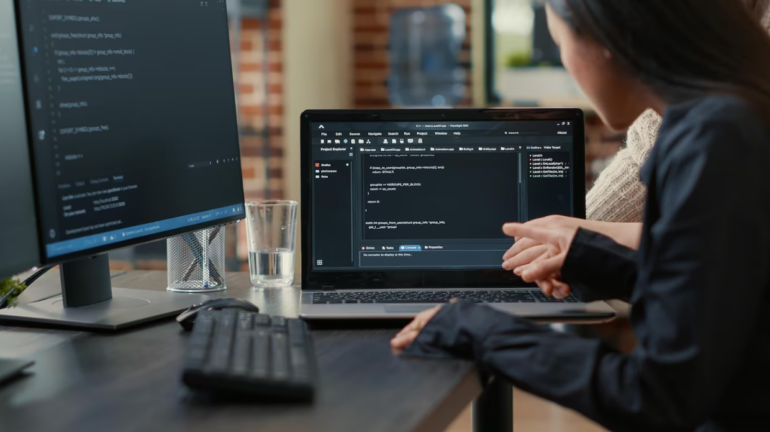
410, 332
567, 222
525, 250
539, 255
628, 234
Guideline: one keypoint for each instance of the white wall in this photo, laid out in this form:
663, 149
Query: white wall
318, 72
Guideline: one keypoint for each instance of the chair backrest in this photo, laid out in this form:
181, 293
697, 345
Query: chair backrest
425, 45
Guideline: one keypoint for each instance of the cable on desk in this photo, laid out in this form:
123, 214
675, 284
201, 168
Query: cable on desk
27, 282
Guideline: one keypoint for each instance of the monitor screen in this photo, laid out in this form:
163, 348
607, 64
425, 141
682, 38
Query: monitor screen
432, 195
18, 229
132, 120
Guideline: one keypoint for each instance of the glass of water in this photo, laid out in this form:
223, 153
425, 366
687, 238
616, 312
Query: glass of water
270, 230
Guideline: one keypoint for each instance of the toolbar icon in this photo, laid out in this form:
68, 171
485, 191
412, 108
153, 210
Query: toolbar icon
385, 141
419, 140
410, 141
360, 141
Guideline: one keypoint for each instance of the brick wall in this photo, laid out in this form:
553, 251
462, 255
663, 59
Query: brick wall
262, 167
370, 44
251, 99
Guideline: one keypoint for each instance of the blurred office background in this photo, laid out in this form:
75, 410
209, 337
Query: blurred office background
292, 55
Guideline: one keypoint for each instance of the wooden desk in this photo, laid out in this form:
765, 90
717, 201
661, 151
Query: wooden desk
129, 381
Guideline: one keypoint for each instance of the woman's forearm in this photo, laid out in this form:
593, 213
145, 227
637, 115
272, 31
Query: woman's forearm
627, 234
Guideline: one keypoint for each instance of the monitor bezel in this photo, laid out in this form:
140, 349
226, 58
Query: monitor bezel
411, 279
59, 259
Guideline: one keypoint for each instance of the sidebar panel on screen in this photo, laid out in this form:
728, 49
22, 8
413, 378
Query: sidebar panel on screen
332, 183
549, 176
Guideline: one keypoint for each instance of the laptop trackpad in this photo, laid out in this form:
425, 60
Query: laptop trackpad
406, 308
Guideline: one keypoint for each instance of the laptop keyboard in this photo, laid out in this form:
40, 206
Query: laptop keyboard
494, 296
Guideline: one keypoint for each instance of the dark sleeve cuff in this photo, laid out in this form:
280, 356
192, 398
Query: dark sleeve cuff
598, 268
459, 330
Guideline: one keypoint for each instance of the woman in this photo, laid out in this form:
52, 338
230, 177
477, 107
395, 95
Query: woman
614, 205
618, 195
699, 283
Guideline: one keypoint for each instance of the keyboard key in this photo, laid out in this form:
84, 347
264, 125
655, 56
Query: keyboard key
260, 354
262, 320
244, 320
241, 353
196, 356
279, 357
299, 364
279, 322
220, 351
296, 333
199, 340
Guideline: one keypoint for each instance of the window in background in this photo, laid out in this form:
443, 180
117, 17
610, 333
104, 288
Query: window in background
425, 45
523, 68
524, 63
372, 51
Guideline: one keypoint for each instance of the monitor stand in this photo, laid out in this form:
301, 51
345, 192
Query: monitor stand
88, 301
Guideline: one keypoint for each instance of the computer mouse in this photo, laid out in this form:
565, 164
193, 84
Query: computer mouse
187, 318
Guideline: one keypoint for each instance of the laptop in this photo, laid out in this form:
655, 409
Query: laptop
403, 209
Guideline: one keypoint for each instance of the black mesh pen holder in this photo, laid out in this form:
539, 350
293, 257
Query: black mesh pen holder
196, 261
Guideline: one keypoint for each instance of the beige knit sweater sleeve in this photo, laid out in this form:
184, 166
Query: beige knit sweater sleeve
618, 195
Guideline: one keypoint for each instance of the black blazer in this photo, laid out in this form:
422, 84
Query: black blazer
699, 286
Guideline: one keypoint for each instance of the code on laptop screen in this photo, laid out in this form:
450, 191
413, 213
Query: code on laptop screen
432, 195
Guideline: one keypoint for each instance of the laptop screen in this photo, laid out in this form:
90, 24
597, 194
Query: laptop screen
432, 195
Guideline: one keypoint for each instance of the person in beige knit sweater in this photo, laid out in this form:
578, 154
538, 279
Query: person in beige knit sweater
615, 203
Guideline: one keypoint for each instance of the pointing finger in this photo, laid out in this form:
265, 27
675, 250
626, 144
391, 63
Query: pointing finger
542, 269
526, 257
519, 246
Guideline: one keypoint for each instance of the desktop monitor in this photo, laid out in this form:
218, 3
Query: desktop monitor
132, 129
18, 230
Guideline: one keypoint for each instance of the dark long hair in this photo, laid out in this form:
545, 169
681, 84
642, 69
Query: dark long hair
682, 49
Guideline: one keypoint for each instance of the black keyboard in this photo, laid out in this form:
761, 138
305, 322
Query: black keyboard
237, 353
430, 296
